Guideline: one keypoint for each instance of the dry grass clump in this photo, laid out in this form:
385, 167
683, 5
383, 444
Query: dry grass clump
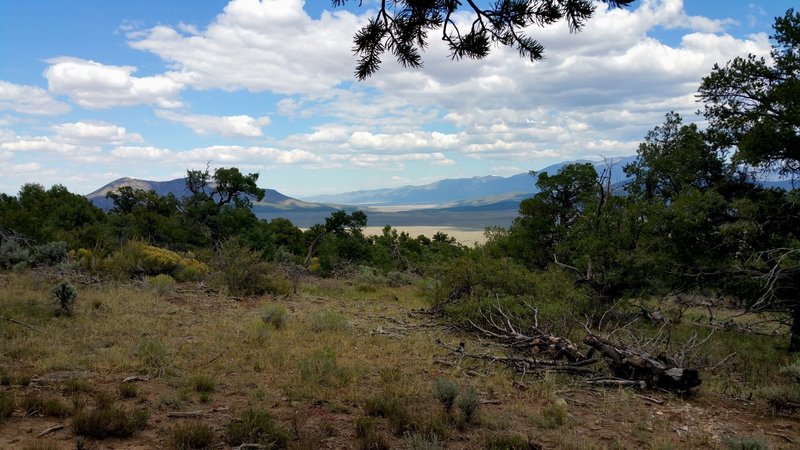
328, 321
153, 356
128, 390
7, 406
256, 427
192, 436
108, 420
36, 404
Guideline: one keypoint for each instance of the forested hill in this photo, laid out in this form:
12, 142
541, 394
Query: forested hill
177, 187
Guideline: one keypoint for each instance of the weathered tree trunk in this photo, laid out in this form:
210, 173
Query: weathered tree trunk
794, 342
658, 372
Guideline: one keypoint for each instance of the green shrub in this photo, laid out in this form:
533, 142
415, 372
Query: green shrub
256, 427
275, 315
446, 393
325, 320
468, 402
745, 443
7, 405
108, 421
49, 254
38, 404
153, 357
370, 276
241, 271
162, 285
192, 436
12, 254
556, 299
65, 294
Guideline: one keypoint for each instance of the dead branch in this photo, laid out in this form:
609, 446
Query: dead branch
617, 382
501, 329
520, 364
184, 414
20, 323
50, 430
134, 378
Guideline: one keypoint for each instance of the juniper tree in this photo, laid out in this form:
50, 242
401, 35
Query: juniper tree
401, 27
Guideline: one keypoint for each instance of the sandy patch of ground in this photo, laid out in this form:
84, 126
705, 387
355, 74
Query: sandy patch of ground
465, 237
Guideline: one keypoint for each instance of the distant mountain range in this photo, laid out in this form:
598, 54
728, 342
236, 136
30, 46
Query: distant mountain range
472, 203
463, 191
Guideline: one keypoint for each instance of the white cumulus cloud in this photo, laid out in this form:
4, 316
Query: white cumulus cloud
91, 132
269, 45
226, 126
98, 86
29, 100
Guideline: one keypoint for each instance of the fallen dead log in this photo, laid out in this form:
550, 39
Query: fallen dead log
502, 330
184, 414
659, 372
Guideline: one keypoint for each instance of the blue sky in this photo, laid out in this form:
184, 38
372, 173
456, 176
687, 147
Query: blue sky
92, 91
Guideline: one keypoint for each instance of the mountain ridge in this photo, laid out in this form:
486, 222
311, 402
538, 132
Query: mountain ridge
453, 191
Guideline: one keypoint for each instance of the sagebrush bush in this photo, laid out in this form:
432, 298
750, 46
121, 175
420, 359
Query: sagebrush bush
49, 254
13, 254
446, 392
417, 441
745, 443
274, 315
65, 294
256, 427
162, 285
192, 436
468, 402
